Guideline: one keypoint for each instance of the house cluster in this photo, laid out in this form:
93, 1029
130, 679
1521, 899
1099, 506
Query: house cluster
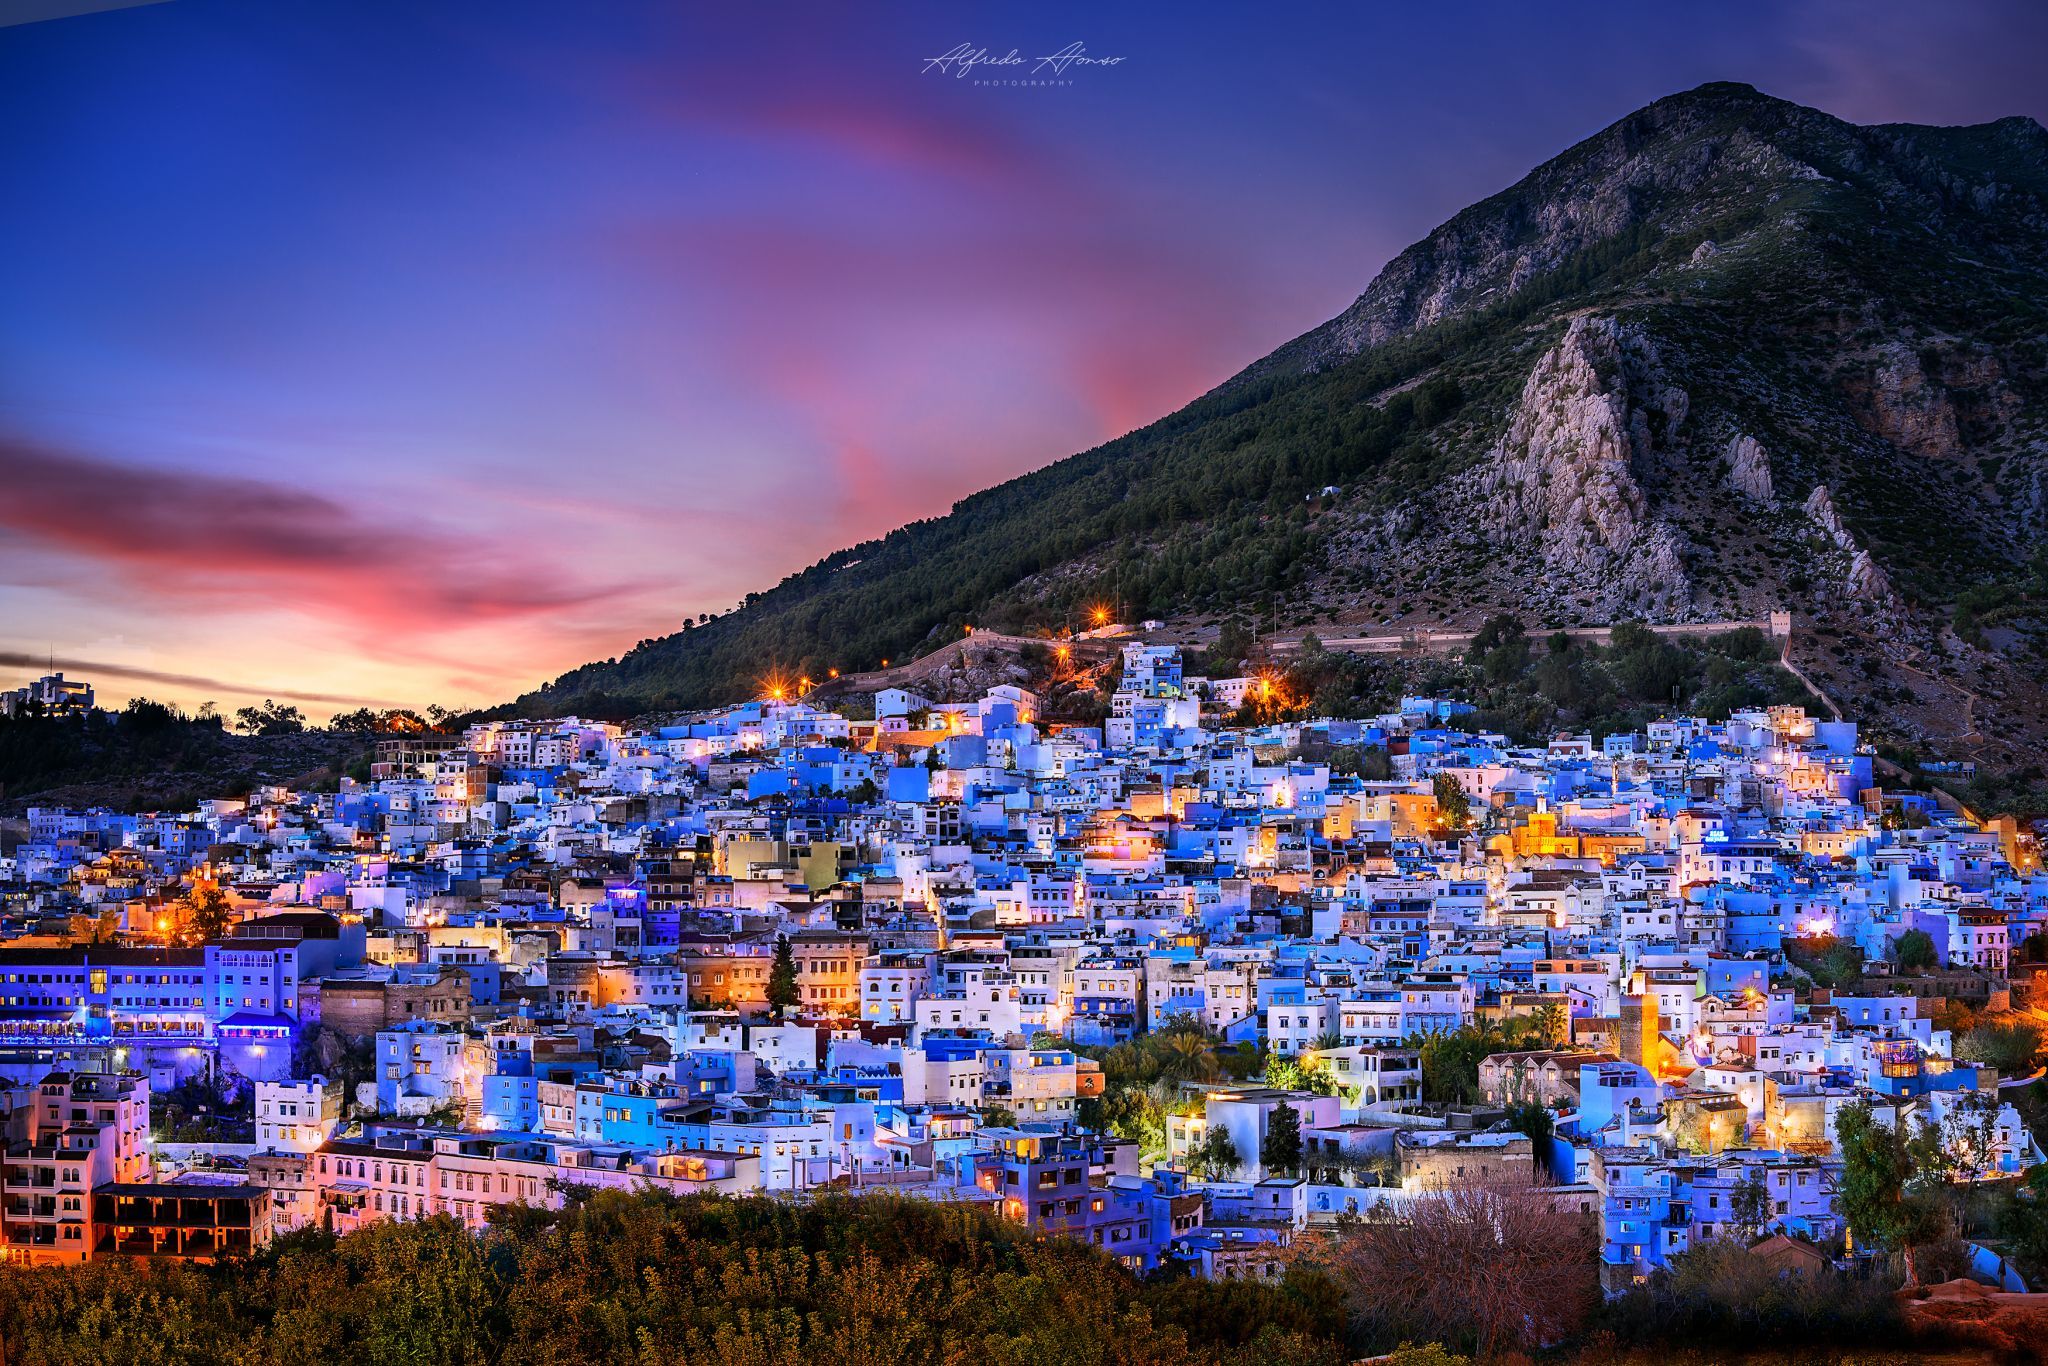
51, 695
777, 948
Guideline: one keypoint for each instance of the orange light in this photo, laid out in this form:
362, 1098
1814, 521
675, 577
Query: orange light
1100, 615
885, 663
832, 673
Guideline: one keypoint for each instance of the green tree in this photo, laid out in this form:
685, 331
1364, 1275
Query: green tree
207, 911
1280, 1149
1913, 951
2024, 1219
1749, 1206
1451, 802
1304, 1073
2011, 1048
1535, 1121
782, 989
1876, 1167
1429, 1354
1216, 1157
272, 718
1451, 1058
1188, 1055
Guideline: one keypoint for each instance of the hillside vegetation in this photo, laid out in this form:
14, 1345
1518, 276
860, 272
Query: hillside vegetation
880, 1279
151, 757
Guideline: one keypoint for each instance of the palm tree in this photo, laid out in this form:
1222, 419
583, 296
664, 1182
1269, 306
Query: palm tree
1188, 1057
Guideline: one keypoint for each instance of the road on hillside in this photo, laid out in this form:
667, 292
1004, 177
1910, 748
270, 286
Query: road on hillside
913, 671
1424, 639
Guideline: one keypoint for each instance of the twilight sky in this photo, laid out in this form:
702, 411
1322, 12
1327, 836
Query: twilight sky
415, 350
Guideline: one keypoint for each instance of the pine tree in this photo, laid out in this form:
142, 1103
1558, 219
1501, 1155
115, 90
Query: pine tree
782, 992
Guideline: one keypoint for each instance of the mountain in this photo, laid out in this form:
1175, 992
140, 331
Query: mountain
1728, 355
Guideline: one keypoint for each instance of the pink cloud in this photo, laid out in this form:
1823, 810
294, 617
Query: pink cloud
894, 349
228, 543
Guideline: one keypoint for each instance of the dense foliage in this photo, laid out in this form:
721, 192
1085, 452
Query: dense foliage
1638, 676
755, 1281
1451, 1058
1717, 1295
647, 1278
1144, 1079
152, 755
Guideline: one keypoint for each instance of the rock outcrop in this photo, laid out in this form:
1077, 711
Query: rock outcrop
1820, 506
1864, 579
1562, 480
1749, 468
1909, 407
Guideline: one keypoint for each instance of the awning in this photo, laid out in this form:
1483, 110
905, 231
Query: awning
256, 1022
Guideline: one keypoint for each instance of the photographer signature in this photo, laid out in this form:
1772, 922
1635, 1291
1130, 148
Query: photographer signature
966, 58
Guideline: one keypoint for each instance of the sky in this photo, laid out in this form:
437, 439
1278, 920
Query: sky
412, 351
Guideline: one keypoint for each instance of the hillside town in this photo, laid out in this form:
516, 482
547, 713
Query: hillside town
1181, 987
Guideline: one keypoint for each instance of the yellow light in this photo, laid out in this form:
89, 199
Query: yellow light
1100, 615
832, 673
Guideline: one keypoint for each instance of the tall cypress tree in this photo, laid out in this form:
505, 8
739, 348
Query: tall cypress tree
782, 992
1280, 1149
